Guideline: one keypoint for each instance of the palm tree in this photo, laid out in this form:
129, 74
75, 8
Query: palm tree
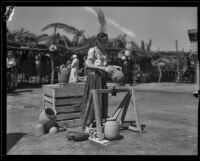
56, 38
148, 46
142, 45
134, 45
101, 19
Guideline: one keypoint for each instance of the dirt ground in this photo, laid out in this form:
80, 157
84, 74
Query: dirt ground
169, 111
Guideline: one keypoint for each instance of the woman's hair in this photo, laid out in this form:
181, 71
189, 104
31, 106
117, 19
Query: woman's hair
101, 36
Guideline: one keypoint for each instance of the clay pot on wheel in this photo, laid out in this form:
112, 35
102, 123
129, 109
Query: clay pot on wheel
47, 118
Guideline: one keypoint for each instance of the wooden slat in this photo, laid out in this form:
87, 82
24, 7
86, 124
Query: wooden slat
49, 99
68, 108
68, 90
68, 116
65, 101
69, 123
64, 108
48, 91
48, 105
118, 89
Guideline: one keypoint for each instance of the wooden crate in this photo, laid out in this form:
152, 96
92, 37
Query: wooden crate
66, 100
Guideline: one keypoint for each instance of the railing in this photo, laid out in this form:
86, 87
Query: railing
169, 76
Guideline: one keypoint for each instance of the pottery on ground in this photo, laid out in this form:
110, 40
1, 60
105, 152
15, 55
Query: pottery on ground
53, 130
111, 129
39, 129
47, 118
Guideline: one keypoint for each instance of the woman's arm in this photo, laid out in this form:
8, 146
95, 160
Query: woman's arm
89, 64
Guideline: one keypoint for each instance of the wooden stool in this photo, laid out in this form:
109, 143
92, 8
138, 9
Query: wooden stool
93, 98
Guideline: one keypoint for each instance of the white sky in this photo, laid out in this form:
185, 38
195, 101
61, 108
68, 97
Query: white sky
163, 25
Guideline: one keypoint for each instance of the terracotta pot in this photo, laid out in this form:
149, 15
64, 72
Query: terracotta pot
47, 118
39, 130
111, 129
53, 130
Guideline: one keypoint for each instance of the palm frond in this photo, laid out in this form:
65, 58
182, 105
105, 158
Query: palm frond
42, 37
67, 28
101, 18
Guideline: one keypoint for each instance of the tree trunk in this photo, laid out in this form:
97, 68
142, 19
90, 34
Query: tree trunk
40, 68
197, 76
52, 69
160, 73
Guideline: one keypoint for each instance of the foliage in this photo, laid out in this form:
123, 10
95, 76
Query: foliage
101, 19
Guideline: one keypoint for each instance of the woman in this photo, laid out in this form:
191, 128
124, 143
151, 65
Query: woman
74, 70
96, 63
11, 71
64, 72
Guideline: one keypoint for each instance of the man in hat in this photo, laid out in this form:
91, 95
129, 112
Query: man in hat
11, 71
74, 69
127, 70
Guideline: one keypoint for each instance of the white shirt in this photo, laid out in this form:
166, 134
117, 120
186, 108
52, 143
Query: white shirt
97, 57
74, 71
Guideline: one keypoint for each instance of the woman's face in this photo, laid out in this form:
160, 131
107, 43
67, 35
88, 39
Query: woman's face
102, 43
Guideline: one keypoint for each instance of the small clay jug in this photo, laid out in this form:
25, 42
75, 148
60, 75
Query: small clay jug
47, 118
39, 129
111, 129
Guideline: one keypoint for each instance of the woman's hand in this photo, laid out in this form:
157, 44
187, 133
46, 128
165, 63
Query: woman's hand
102, 68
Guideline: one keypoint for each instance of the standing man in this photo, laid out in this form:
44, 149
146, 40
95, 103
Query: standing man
74, 70
11, 71
127, 70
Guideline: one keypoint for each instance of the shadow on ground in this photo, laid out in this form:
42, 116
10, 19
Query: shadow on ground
13, 93
29, 85
12, 139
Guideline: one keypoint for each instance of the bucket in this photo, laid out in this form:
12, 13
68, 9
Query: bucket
111, 129
47, 118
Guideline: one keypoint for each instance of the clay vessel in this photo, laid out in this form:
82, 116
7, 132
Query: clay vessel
47, 118
111, 129
53, 130
39, 130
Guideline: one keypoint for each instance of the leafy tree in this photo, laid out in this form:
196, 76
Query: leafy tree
148, 46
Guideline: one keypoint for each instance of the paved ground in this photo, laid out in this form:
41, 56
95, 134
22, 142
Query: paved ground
168, 110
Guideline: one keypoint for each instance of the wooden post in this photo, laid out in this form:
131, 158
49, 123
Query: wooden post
121, 106
52, 67
137, 118
88, 106
197, 76
178, 62
160, 73
97, 115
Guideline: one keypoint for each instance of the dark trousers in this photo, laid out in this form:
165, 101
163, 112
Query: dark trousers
128, 78
11, 78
